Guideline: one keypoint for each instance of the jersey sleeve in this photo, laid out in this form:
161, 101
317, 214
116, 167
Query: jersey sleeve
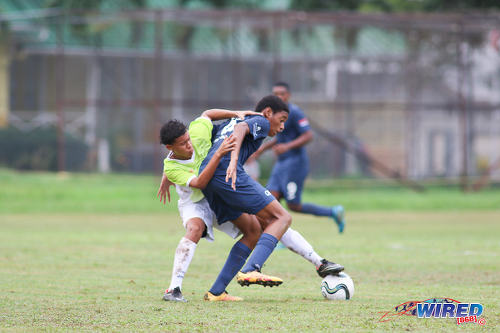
259, 127
301, 122
176, 175
200, 132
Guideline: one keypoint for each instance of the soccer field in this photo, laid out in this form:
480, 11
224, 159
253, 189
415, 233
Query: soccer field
107, 270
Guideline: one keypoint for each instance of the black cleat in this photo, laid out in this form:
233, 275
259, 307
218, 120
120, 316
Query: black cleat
174, 295
328, 268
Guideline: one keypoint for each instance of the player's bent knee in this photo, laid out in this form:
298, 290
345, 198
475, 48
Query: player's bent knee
195, 229
288, 220
253, 230
250, 228
251, 234
256, 230
274, 213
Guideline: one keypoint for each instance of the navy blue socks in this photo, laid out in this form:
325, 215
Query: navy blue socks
262, 251
237, 257
317, 210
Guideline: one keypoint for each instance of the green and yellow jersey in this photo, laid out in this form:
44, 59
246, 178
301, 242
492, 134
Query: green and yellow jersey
181, 172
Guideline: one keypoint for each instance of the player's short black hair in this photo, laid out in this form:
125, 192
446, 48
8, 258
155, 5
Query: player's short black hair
275, 103
282, 84
171, 131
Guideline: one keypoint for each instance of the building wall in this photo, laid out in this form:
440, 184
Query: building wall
368, 103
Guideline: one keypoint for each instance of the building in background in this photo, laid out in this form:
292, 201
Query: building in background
416, 93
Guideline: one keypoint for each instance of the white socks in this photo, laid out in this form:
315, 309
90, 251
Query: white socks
186, 248
296, 243
183, 255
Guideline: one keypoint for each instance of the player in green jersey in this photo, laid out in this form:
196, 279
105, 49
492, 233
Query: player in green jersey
187, 151
181, 166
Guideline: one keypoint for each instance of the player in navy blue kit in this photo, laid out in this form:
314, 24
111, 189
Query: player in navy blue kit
231, 192
289, 173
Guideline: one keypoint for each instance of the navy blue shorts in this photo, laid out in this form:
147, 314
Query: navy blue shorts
250, 197
287, 178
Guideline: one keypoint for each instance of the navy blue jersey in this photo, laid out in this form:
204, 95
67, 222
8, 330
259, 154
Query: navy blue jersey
288, 177
296, 125
249, 197
259, 129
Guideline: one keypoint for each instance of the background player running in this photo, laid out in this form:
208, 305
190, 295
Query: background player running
291, 169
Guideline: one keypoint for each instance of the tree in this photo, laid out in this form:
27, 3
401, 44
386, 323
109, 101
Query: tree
392, 6
86, 31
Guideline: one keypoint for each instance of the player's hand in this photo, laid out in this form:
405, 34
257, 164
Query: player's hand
243, 114
227, 145
280, 148
231, 173
164, 189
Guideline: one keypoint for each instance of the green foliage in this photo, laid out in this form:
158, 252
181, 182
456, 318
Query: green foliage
220, 4
392, 6
90, 33
95, 5
37, 149
388, 6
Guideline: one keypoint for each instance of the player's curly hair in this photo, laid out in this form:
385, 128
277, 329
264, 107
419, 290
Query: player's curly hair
171, 131
275, 103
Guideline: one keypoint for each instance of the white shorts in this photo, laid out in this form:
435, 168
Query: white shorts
201, 209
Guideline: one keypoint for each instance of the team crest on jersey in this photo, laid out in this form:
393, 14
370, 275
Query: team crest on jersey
303, 122
256, 129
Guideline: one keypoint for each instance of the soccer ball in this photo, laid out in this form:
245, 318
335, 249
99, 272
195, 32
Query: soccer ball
337, 287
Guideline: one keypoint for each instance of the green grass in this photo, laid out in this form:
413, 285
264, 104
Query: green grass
89, 252
108, 272
91, 193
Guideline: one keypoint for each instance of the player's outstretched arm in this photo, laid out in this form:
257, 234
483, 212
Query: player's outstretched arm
218, 114
239, 133
164, 189
204, 177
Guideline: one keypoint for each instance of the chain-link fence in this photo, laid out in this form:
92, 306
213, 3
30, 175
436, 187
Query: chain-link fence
417, 94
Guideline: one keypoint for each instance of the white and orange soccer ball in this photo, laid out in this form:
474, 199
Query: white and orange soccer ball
337, 287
